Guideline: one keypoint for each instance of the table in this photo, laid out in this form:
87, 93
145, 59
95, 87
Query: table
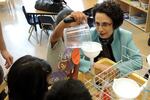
29, 6
82, 5
30, 9
76, 5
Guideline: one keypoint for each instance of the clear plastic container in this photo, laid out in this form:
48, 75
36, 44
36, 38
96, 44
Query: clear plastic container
74, 37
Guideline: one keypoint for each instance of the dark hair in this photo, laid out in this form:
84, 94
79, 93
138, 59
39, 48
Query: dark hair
62, 14
27, 78
112, 10
68, 90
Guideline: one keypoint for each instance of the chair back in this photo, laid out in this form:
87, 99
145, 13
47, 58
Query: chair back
46, 22
31, 18
26, 14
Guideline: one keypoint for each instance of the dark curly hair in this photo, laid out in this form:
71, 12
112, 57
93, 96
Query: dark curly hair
112, 10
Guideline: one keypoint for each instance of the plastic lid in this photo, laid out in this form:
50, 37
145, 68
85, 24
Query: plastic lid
91, 49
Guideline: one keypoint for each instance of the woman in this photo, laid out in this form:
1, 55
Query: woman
115, 41
108, 18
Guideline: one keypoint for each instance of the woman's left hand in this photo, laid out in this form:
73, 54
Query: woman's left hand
9, 59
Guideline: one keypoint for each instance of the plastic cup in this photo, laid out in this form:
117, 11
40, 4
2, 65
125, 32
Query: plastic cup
75, 36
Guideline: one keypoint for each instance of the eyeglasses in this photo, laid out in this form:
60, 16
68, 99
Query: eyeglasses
102, 24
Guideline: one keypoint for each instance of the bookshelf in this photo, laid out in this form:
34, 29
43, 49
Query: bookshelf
134, 7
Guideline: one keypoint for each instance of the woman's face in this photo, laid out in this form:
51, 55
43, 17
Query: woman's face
104, 25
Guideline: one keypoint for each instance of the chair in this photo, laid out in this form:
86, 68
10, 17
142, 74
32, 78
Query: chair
46, 23
32, 20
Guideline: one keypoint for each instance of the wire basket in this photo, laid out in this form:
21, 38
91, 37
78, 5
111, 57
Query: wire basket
100, 83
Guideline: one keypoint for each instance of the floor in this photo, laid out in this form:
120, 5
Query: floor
15, 32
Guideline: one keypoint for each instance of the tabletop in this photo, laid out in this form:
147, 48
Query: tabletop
82, 4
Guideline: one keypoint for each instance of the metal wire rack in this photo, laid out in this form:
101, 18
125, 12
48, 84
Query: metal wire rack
100, 83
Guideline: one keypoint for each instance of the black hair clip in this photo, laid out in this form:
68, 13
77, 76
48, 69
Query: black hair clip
69, 20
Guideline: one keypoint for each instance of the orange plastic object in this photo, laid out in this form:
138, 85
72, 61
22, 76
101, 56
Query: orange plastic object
75, 56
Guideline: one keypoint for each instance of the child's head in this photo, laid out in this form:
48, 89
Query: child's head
68, 90
27, 78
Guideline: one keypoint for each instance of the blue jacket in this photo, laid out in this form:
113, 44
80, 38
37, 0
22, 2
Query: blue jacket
126, 54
